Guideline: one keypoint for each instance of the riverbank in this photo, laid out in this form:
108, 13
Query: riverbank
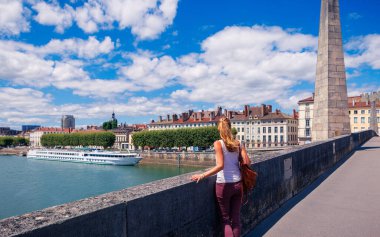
15, 151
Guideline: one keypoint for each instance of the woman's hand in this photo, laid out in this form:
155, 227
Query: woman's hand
197, 177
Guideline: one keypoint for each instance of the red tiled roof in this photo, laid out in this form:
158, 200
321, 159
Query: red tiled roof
190, 121
46, 129
362, 105
309, 99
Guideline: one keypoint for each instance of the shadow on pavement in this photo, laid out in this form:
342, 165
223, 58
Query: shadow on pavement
270, 221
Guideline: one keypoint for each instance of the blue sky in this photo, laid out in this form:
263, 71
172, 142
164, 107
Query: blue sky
143, 59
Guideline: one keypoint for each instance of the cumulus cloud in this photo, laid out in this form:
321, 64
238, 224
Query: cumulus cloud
146, 19
238, 63
89, 48
148, 72
54, 15
26, 105
13, 17
363, 50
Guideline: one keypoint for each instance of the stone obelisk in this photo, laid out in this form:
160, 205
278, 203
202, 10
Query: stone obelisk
330, 101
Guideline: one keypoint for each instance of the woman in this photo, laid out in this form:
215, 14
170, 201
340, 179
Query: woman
228, 188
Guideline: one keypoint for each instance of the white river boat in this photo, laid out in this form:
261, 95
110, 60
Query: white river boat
85, 156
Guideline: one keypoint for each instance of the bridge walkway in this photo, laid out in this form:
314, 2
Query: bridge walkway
343, 202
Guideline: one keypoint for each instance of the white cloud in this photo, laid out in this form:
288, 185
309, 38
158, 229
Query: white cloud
146, 19
354, 89
290, 99
13, 17
89, 48
363, 50
238, 63
148, 72
27, 105
54, 15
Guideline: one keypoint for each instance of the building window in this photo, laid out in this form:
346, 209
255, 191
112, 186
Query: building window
275, 129
307, 122
349, 112
264, 130
242, 137
307, 132
238, 137
355, 112
269, 129
369, 120
242, 129
269, 138
258, 130
238, 129
275, 138
281, 138
363, 111
264, 138
307, 114
362, 120
355, 119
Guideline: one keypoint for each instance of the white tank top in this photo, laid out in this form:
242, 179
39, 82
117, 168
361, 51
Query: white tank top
231, 171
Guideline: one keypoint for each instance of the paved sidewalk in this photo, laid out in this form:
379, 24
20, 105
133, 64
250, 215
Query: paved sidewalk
346, 203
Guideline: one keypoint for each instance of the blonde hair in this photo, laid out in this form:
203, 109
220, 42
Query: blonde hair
224, 127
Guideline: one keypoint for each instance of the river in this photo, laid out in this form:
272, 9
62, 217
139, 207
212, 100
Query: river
27, 185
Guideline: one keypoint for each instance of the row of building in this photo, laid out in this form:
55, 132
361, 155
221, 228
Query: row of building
261, 127
256, 126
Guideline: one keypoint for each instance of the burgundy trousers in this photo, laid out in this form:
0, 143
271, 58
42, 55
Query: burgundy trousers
229, 196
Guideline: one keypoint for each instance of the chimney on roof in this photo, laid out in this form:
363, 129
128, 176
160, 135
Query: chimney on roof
229, 115
185, 116
269, 107
295, 114
167, 117
201, 115
353, 103
225, 112
277, 111
219, 111
152, 121
263, 110
246, 110
160, 118
212, 115
313, 95
175, 117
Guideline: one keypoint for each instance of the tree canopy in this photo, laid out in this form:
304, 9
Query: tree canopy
184, 137
104, 139
15, 141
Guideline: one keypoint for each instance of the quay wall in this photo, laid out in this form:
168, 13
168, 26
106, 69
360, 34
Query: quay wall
178, 207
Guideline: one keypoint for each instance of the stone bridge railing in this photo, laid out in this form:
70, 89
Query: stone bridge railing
178, 207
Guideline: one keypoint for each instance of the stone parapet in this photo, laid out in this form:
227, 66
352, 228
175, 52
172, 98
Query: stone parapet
178, 207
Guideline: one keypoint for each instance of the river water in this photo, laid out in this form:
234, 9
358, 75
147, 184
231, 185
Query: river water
27, 185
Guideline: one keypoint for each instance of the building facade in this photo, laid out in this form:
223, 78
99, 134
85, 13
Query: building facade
68, 121
27, 128
123, 138
259, 127
359, 113
7, 131
305, 119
